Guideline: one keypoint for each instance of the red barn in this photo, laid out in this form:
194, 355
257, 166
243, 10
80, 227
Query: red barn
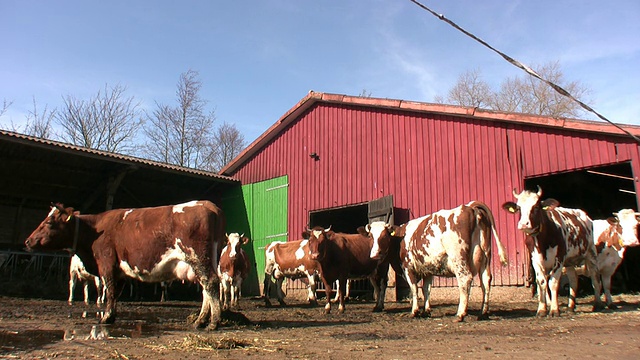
343, 160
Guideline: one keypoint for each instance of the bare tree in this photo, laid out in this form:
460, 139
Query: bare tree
5, 106
469, 90
109, 121
229, 143
520, 94
39, 123
182, 135
365, 93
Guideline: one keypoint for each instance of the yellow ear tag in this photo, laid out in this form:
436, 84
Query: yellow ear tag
545, 208
512, 210
69, 218
393, 233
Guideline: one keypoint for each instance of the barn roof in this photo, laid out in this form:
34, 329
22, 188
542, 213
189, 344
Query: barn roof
314, 98
36, 170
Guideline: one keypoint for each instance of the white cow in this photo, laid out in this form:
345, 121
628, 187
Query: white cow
77, 272
611, 237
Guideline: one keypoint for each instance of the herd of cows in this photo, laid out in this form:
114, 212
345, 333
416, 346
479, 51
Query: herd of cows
188, 242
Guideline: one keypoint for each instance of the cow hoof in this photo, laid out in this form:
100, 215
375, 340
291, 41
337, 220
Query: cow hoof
541, 314
313, 303
571, 310
212, 327
554, 313
415, 314
458, 319
267, 304
483, 317
612, 306
377, 309
598, 307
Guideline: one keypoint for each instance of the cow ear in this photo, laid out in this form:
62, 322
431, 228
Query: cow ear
511, 207
306, 235
362, 231
612, 220
245, 240
550, 204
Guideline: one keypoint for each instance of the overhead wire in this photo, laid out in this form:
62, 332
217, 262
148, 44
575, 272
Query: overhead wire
524, 67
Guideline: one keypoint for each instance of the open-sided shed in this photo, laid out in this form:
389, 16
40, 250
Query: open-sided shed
343, 160
36, 172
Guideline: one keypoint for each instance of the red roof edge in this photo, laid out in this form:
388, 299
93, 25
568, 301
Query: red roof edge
453, 110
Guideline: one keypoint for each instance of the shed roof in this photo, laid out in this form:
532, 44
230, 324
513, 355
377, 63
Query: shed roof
36, 170
314, 98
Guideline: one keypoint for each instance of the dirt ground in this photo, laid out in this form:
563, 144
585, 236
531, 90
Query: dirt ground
51, 329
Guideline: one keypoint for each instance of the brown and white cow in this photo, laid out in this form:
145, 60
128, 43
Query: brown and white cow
148, 244
289, 260
343, 256
77, 272
556, 237
448, 243
234, 268
611, 237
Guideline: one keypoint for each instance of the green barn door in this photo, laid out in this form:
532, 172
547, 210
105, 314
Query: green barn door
269, 220
259, 211
237, 205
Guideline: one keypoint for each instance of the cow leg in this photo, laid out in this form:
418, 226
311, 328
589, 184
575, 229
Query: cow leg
312, 290
113, 289
225, 292
205, 310
235, 292
379, 282
342, 289
543, 295
72, 287
266, 289
573, 287
594, 273
85, 290
554, 284
100, 290
606, 283
279, 292
412, 280
485, 285
465, 279
210, 310
337, 297
426, 293
327, 289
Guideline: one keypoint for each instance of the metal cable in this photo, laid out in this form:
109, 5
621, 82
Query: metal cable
524, 67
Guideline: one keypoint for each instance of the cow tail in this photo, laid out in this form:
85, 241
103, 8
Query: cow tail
486, 212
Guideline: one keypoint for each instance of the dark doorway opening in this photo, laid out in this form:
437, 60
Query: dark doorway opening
599, 191
345, 219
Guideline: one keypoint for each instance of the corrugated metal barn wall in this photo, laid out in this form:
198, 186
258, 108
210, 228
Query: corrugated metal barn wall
427, 162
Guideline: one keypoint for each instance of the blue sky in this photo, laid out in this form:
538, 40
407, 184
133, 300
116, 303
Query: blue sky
257, 59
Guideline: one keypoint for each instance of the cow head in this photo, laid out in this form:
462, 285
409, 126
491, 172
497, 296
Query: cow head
235, 242
380, 234
627, 220
56, 231
531, 209
318, 241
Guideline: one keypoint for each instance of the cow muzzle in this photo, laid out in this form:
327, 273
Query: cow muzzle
30, 243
